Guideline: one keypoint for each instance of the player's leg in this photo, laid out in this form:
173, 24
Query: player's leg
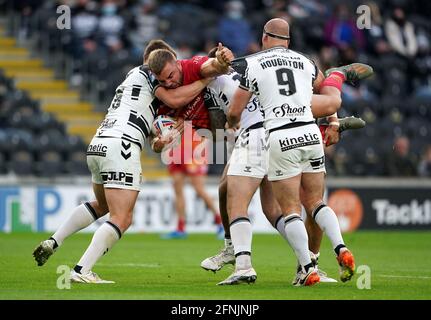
328, 101
240, 191
82, 216
226, 254
121, 203
222, 196
286, 192
198, 183
325, 217
178, 182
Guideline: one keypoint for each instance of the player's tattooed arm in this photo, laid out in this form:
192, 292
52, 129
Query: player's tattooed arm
181, 96
318, 82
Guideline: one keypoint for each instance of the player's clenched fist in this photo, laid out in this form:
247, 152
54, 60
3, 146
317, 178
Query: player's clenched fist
224, 55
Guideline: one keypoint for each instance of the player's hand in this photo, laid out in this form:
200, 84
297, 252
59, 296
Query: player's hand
159, 143
227, 126
332, 136
224, 55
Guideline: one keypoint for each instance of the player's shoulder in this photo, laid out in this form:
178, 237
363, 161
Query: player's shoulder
195, 60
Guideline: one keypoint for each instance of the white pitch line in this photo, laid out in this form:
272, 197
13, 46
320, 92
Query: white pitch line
407, 277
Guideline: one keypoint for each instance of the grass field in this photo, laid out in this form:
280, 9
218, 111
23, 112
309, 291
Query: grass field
146, 267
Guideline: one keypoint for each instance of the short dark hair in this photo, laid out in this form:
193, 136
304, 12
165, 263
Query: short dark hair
157, 44
158, 60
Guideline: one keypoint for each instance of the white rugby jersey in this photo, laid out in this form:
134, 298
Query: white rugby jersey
282, 79
220, 92
132, 109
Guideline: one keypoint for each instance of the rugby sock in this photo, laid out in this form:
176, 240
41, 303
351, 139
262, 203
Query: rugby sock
296, 235
240, 231
81, 217
335, 79
327, 220
217, 219
279, 225
181, 227
104, 238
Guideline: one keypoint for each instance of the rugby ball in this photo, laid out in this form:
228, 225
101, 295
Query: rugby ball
162, 125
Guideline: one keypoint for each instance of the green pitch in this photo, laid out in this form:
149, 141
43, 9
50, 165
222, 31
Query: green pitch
146, 267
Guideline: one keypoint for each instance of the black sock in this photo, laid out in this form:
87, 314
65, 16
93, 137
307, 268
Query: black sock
55, 242
77, 269
308, 266
337, 249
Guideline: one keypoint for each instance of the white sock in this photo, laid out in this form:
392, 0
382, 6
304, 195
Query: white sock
297, 237
240, 232
81, 217
104, 239
327, 220
279, 225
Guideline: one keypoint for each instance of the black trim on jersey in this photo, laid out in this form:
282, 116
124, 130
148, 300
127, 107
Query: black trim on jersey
210, 100
154, 106
257, 53
136, 89
139, 123
131, 139
291, 125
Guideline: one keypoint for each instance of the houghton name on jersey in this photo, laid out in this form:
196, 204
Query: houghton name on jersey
282, 79
133, 108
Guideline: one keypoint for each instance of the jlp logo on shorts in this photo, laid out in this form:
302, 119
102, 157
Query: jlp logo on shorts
97, 150
120, 178
317, 163
307, 139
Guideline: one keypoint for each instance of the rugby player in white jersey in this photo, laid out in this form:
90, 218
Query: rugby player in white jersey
113, 158
218, 95
284, 81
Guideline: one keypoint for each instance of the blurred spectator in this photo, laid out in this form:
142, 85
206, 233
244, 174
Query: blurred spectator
401, 34
424, 167
422, 68
235, 31
111, 26
401, 162
145, 24
84, 26
377, 43
341, 30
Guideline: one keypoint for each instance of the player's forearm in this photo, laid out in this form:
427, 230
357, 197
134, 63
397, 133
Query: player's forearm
181, 96
213, 68
233, 118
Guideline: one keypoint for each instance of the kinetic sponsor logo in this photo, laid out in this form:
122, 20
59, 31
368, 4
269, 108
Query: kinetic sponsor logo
97, 150
306, 139
413, 213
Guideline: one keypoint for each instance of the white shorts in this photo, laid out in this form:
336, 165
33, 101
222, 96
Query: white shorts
115, 163
294, 151
250, 156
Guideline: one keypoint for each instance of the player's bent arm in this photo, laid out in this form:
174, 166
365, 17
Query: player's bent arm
236, 107
179, 97
213, 68
318, 82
